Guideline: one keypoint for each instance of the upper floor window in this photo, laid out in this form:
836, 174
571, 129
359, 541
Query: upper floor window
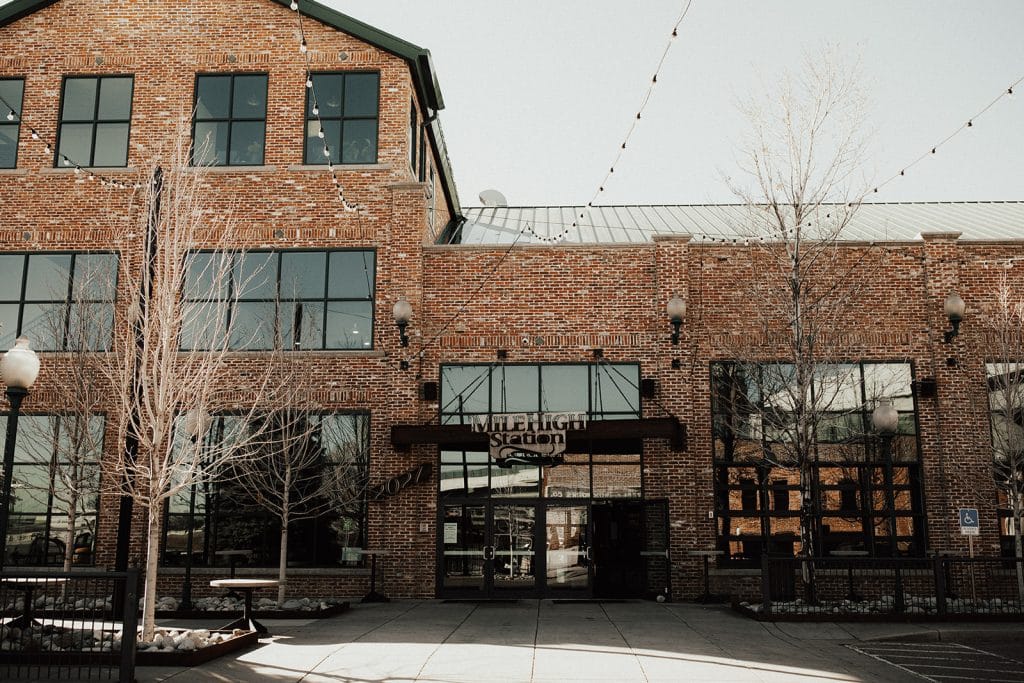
95, 117
11, 92
346, 106
607, 391
289, 299
59, 301
231, 120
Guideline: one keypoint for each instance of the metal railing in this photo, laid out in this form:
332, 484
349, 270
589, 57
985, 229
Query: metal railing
64, 625
941, 587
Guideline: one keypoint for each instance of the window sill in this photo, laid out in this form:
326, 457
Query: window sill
230, 169
103, 171
344, 353
340, 167
13, 171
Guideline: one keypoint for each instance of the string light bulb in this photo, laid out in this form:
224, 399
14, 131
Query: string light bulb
316, 110
309, 82
294, 6
10, 116
302, 46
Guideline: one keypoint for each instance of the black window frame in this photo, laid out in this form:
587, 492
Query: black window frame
1015, 413
15, 109
469, 465
753, 529
231, 119
413, 137
87, 554
232, 299
318, 158
213, 512
68, 303
95, 121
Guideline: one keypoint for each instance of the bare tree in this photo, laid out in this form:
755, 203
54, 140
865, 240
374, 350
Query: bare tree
303, 463
172, 345
800, 164
1004, 333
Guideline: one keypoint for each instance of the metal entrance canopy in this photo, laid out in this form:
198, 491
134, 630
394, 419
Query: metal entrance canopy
609, 436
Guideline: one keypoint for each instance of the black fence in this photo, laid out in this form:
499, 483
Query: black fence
65, 625
833, 588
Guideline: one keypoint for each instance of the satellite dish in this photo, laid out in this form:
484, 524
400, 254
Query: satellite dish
493, 198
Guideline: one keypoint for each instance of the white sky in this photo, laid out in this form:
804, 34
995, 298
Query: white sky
539, 95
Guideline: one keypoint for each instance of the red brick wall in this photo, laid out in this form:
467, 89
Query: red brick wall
541, 304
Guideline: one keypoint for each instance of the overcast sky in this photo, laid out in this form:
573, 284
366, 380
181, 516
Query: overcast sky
540, 95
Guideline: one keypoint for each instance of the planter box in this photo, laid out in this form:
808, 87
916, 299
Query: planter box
229, 614
200, 656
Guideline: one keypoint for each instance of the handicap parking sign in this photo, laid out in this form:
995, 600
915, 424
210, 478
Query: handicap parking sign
969, 522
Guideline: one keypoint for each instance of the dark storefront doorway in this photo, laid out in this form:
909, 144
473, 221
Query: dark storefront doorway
547, 549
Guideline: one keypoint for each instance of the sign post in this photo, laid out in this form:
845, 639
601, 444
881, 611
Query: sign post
970, 526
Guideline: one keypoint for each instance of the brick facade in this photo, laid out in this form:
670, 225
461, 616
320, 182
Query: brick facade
540, 304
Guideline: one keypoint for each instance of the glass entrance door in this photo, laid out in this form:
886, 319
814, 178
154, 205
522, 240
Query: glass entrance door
568, 566
513, 543
489, 550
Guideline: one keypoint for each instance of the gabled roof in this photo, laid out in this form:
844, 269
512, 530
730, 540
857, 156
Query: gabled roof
881, 222
421, 66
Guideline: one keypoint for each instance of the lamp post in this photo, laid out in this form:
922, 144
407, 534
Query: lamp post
197, 422
885, 421
676, 310
19, 368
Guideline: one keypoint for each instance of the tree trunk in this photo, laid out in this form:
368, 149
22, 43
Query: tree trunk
149, 586
1015, 508
69, 535
282, 565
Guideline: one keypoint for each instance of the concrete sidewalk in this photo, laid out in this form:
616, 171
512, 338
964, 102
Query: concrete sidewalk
544, 642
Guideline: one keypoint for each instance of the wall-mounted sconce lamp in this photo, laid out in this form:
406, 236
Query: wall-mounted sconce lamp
955, 308
403, 314
676, 309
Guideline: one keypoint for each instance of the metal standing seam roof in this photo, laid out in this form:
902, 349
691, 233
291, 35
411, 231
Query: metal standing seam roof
881, 222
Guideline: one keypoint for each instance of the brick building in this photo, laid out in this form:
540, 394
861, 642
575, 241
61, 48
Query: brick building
503, 322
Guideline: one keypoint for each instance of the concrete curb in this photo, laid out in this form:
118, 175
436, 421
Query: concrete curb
936, 635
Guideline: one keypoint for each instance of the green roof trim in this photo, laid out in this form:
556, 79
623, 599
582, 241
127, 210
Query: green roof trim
420, 65
13, 11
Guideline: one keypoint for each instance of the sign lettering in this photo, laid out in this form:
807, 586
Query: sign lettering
535, 434
393, 485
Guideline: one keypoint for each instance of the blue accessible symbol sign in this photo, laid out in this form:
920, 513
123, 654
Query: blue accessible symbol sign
969, 522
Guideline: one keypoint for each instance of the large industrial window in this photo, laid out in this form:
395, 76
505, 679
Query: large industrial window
758, 494
294, 300
1006, 406
95, 117
605, 391
54, 489
11, 93
327, 500
346, 106
59, 301
231, 120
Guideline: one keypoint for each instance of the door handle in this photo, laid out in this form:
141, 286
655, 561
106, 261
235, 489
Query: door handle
587, 553
488, 552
